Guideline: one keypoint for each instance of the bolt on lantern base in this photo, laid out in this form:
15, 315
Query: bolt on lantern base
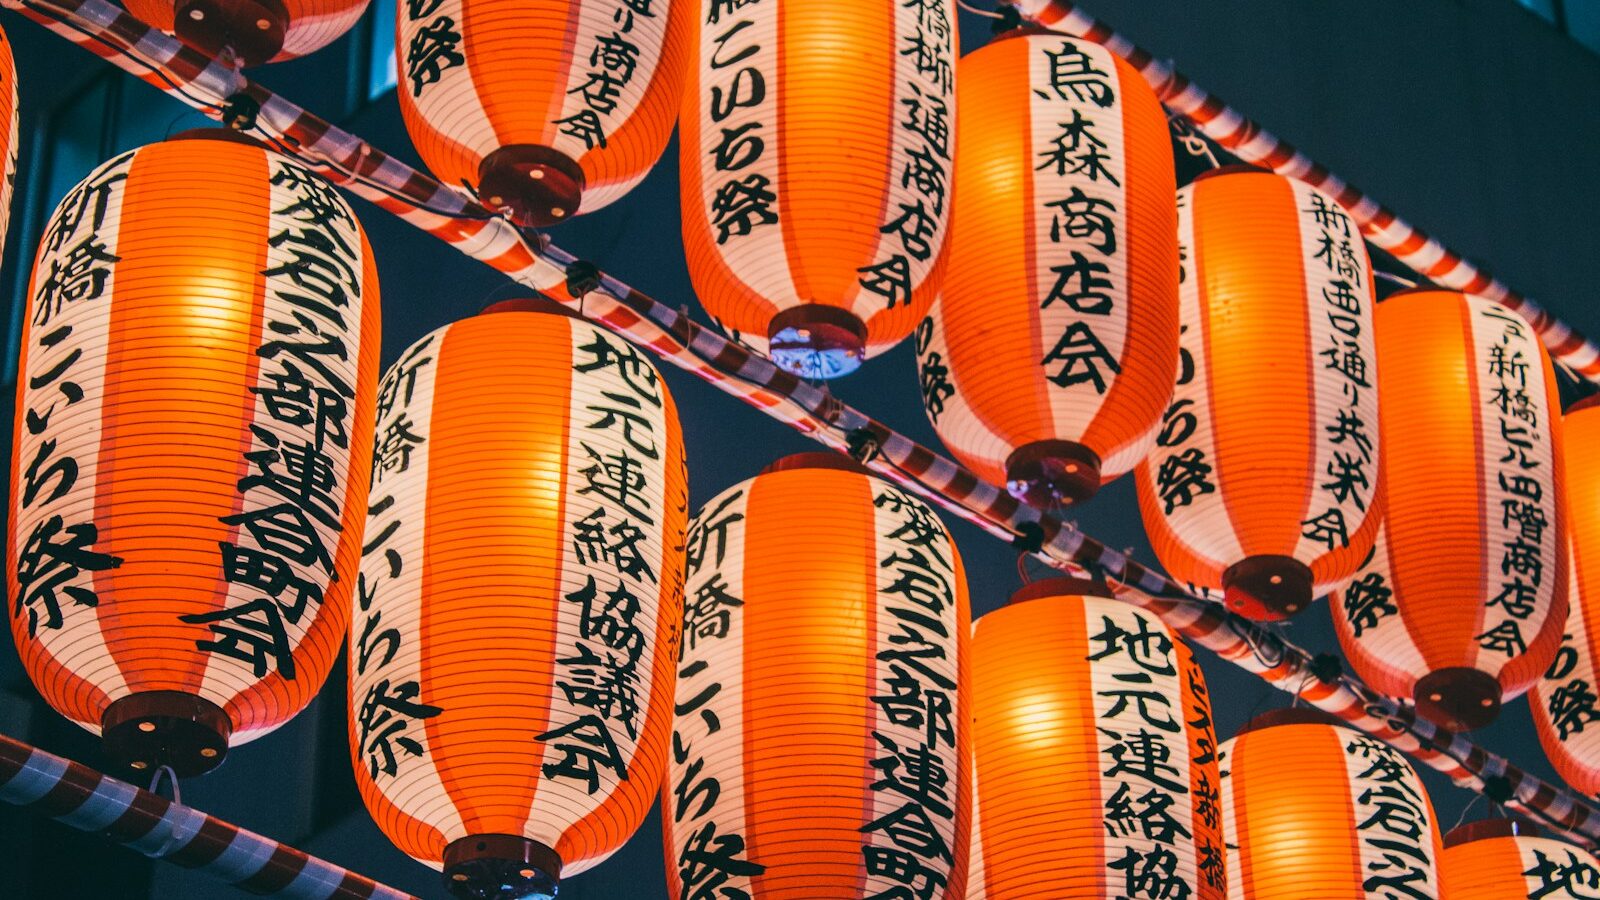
501, 867
817, 341
533, 184
253, 30
1267, 588
1459, 698
1046, 473
151, 729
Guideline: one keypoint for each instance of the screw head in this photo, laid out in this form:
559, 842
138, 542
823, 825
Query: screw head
197, 14
147, 727
263, 24
557, 212
139, 764
537, 174
208, 752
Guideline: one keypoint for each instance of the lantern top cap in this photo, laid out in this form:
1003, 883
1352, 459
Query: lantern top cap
1292, 715
1489, 828
1059, 587
1232, 169
816, 460
534, 304
226, 135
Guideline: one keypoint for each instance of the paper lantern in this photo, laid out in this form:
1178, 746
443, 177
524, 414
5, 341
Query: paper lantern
511, 655
820, 746
1264, 477
1095, 750
1051, 353
542, 108
252, 31
1564, 699
1497, 859
8, 132
1462, 601
1315, 811
815, 151
194, 419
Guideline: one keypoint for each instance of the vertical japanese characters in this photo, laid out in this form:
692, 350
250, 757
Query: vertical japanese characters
815, 205
825, 626
1263, 481
520, 589
508, 97
1132, 813
1487, 861
193, 429
1055, 336
1564, 700
1321, 812
1461, 605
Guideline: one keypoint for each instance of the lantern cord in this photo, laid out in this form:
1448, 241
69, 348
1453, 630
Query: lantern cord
979, 12
660, 328
1466, 809
171, 778
166, 829
1395, 279
1245, 139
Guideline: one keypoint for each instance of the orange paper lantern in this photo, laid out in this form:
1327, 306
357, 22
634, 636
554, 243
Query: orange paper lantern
1462, 602
1051, 353
511, 656
1564, 701
543, 108
1498, 860
1264, 477
1315, 811
188, 471
815, 156
820, 747
1096, 757
252, 31
8, 132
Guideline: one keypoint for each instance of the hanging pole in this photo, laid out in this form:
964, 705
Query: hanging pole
535, 263
1233, 131
164, 829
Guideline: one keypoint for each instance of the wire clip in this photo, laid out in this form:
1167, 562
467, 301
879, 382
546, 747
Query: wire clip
582, 277
1029, 537
863, 445
239, 111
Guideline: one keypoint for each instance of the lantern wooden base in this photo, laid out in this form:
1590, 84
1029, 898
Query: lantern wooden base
1460, 698
501, 867
150, 729
533, 184
1489, 828
1058, 587
1292, 715
531, 304
817, 341
1046, 473
252, 30
1267, 588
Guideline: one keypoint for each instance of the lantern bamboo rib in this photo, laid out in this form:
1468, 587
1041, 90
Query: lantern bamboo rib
162, 829
1411, 246
424, 202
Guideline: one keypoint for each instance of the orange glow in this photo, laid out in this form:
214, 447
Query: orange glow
503, 585
796, 694
1041, 670
1444, 612
1016, 227
165, 399
1496, 860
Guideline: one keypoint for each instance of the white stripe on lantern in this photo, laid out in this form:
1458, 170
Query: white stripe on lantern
1546, 862
1230, 820
1374, 800
1573, 674
963, 431
79, 644
310, 31
1327, 384
758, 259
451, 105
225, 677
711, 650
1074, 407
907, 25
415, 788
597, 19
1203, 524
1489, 325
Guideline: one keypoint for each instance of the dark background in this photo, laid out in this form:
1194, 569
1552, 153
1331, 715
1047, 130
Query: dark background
1478, 120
